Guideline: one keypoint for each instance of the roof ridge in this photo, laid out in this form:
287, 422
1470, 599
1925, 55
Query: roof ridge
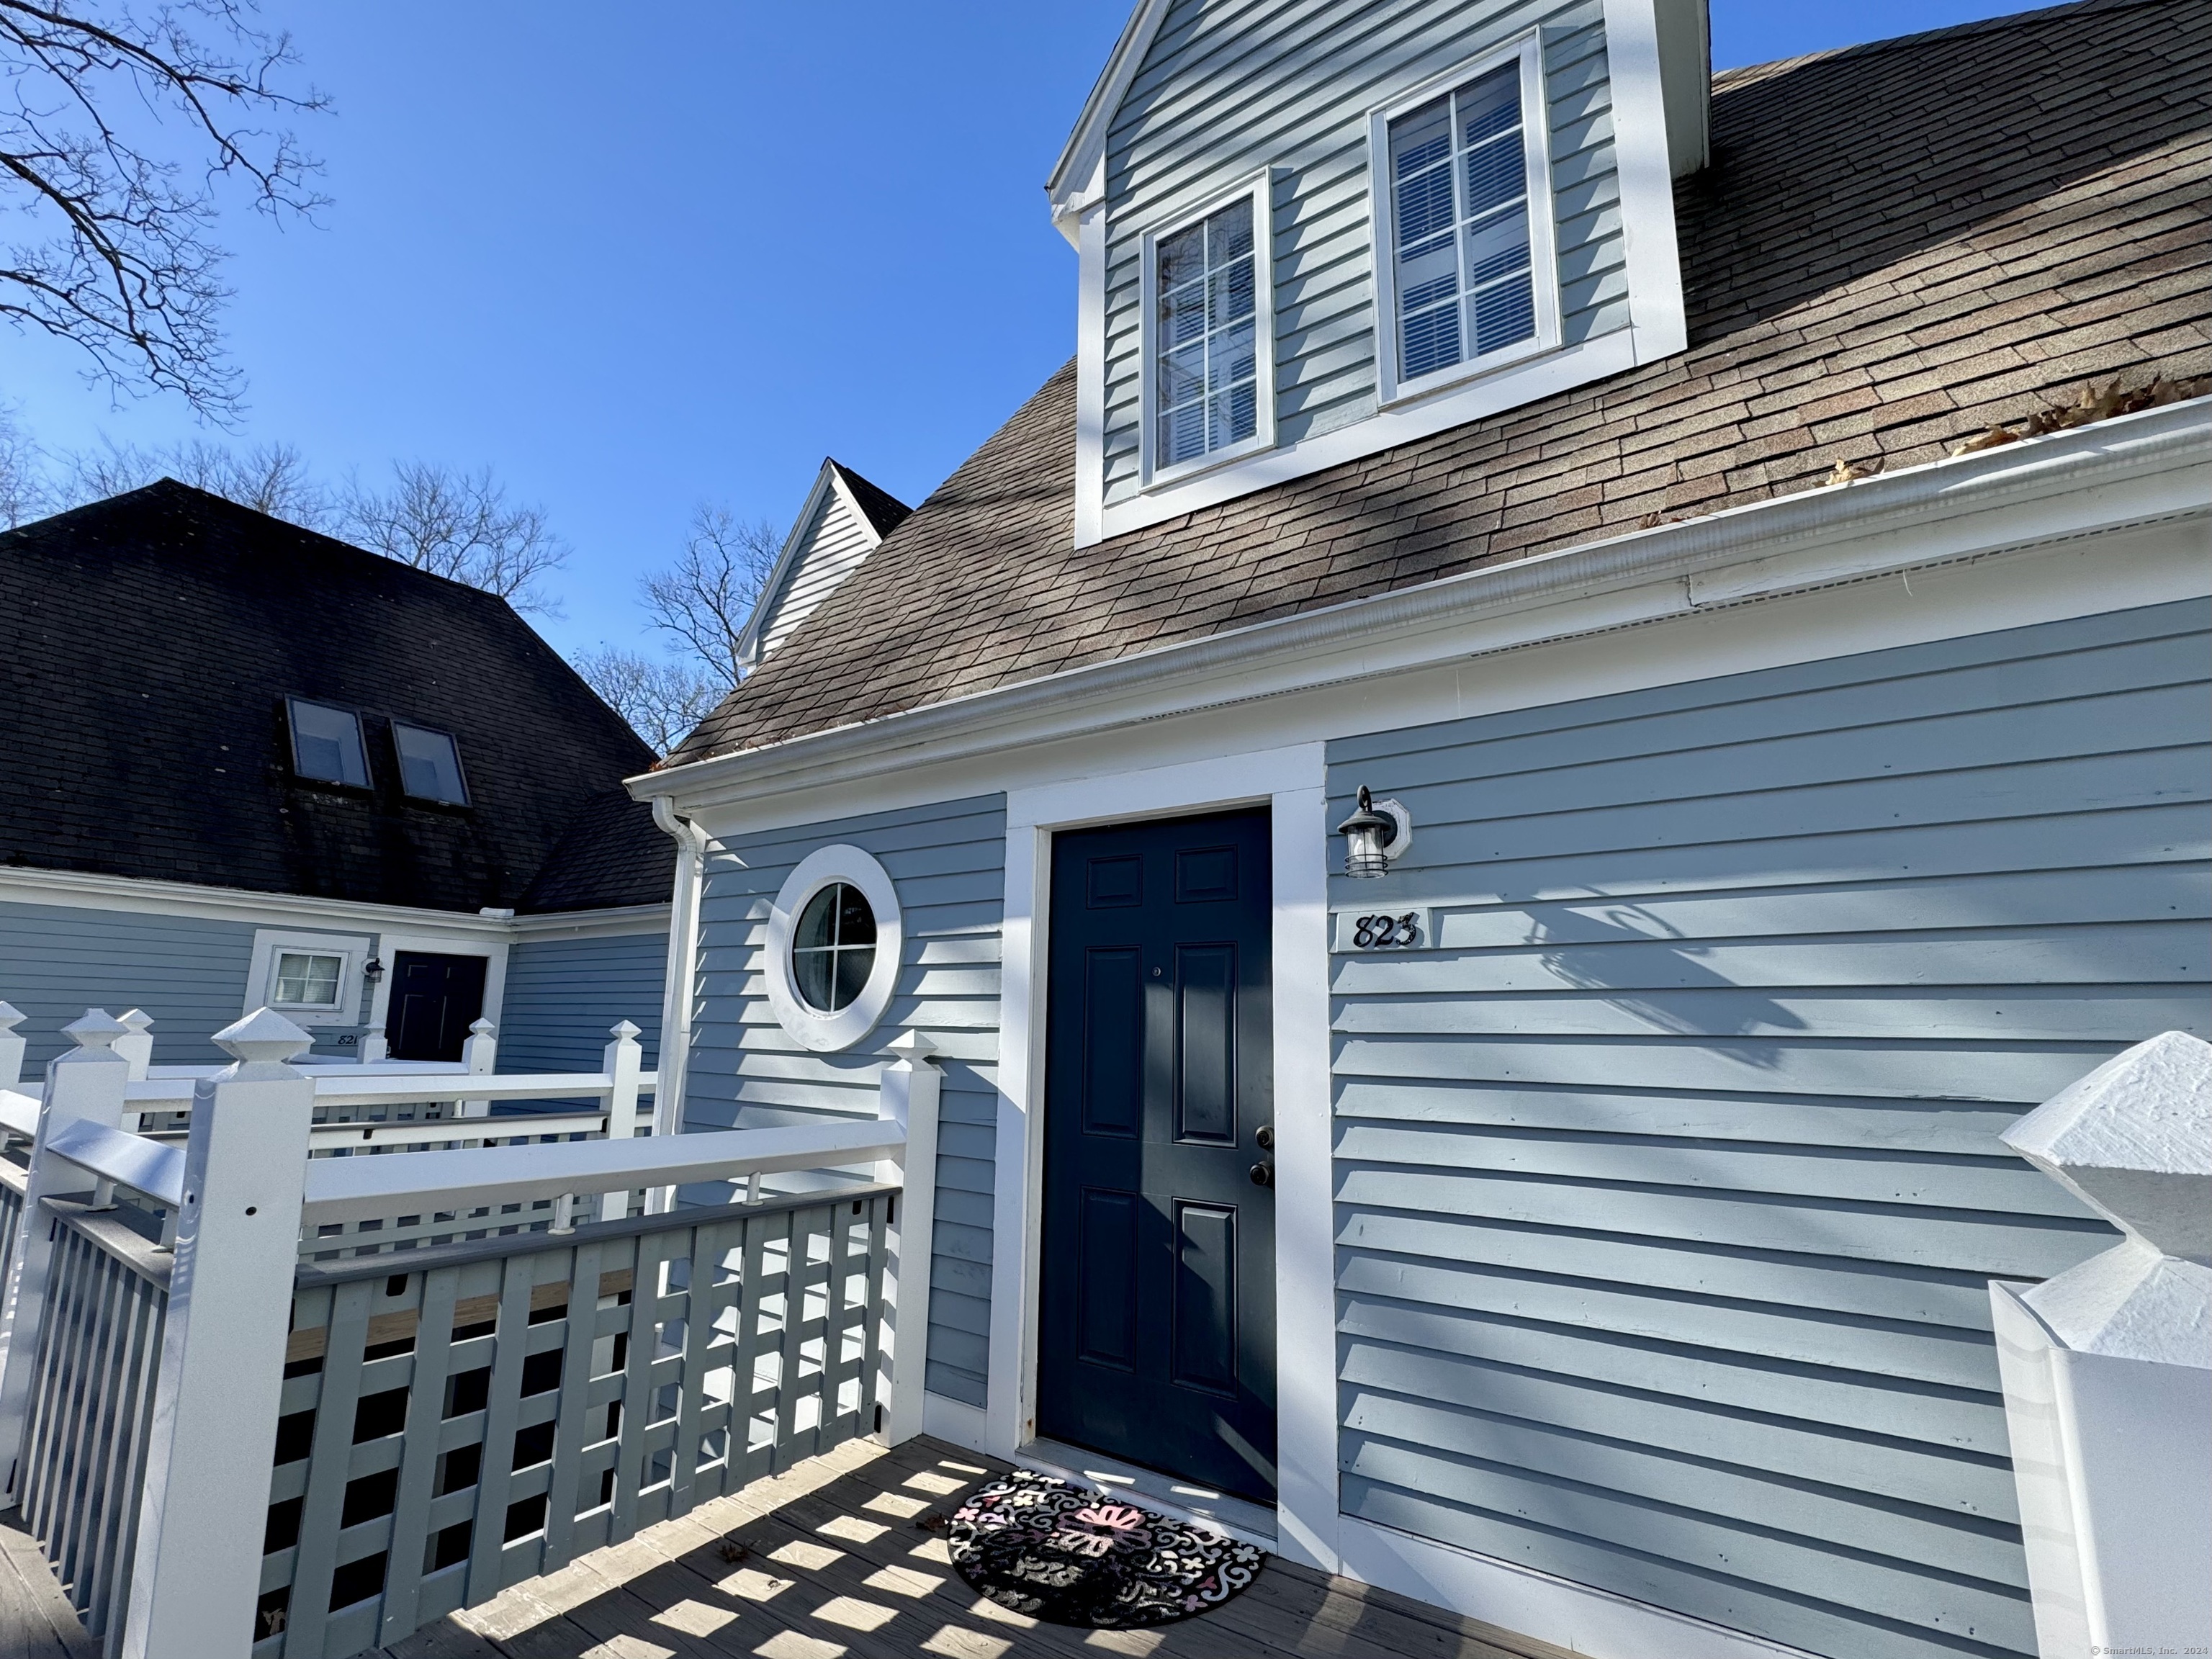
1921, 37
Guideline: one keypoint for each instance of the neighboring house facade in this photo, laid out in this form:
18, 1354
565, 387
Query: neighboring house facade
1585, 1221
249, 765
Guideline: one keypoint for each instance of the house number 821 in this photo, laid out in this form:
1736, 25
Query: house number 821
1379, 932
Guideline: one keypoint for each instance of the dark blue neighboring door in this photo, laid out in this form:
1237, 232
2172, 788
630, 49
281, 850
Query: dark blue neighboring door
1156, 1326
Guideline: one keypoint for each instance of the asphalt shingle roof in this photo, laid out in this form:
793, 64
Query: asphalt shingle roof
1895, 246
150, 642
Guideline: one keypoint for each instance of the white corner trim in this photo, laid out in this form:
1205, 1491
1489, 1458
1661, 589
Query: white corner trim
955, 1421
1657, 316
1091, 374
811, 1028
1572, 1616
1292, 781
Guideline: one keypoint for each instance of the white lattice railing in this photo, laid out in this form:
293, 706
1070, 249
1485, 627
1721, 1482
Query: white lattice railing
259, 1285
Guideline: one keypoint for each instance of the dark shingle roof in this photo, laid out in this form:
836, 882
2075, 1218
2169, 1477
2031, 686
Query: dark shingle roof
151, 640
884, 511
1895, 245
611, 853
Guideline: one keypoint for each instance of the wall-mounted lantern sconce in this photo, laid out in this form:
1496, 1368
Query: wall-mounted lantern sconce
1376, 836
373, 970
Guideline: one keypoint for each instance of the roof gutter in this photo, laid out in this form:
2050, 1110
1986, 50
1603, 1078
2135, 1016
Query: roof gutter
2068, 465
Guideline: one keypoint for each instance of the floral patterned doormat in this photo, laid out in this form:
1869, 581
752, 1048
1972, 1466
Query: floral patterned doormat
1040, 1546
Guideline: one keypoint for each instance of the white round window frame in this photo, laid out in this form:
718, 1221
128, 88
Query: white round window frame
826, 1034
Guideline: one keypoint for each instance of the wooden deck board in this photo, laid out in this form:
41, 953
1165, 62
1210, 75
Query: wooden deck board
835, 1566
36, 1620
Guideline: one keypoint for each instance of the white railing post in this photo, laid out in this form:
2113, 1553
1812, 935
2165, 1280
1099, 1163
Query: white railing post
136, 1045
11, 1045
2108, 1369
480, 1053
196, 1572
621, 1061
908, 1096
83, 1086
373, 1049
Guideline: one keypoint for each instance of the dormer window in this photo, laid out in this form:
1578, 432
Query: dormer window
1209, 348
429, 764
1460, 249
326, 744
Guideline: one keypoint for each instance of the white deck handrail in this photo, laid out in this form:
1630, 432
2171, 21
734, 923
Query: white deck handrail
361, 1188
128, 1160
351, 1088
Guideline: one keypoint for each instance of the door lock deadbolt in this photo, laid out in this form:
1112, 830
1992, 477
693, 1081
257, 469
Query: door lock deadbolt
1263, 1175
1267, 1137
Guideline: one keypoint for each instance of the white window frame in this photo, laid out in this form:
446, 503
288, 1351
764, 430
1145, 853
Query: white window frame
271, 945
1259, 189
826, 867
1543, 229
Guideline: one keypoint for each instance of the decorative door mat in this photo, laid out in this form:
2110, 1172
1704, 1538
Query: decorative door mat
1040, 1546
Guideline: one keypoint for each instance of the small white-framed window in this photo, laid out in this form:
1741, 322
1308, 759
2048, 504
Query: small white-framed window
312, 979
1466, 276
833, 939
326, 744
429, 764
1208, 336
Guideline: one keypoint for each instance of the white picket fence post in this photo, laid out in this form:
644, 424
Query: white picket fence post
624, 1061
2108, 1369
11, 1045
374, 1048
908, 1096
480, 1054
196, 1571
136, 1045
83, 1086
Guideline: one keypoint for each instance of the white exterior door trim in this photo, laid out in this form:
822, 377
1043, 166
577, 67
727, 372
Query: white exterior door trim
1291, 782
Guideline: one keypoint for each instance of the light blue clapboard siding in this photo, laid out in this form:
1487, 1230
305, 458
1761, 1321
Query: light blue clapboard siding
188, 972
563, 995
1668, 1181
1231, 87
948, 861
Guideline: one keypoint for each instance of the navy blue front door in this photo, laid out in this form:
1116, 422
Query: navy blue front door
1156, 1323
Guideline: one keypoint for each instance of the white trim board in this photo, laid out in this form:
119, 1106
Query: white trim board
1291, 782
78, 888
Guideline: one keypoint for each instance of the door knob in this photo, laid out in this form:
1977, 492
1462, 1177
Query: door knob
1263, 1175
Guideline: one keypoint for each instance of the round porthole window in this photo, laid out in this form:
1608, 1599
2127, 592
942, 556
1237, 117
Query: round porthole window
833, 948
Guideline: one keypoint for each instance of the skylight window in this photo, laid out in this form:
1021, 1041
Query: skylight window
429, 764
1208, 341
1460, 265
326, 744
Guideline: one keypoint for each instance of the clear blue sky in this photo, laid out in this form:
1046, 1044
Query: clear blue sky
635, 258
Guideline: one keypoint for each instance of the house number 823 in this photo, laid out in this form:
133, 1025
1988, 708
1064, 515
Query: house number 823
1379, 932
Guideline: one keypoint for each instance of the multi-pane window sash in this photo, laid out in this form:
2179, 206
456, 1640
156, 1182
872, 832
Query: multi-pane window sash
308, 981
1206, 371
1458, 204
833, 949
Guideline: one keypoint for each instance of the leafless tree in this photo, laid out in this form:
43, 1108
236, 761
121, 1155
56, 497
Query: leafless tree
23, 492
272, 478
662, 701
459, 525
704, 602
121, 127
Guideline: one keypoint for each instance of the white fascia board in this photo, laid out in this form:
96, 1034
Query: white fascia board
1078, 176
2138, 469
80, 890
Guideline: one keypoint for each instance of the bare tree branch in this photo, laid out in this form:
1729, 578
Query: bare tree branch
24, 493
705, 601
272, 478
662, 701
120, 125
459, 525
